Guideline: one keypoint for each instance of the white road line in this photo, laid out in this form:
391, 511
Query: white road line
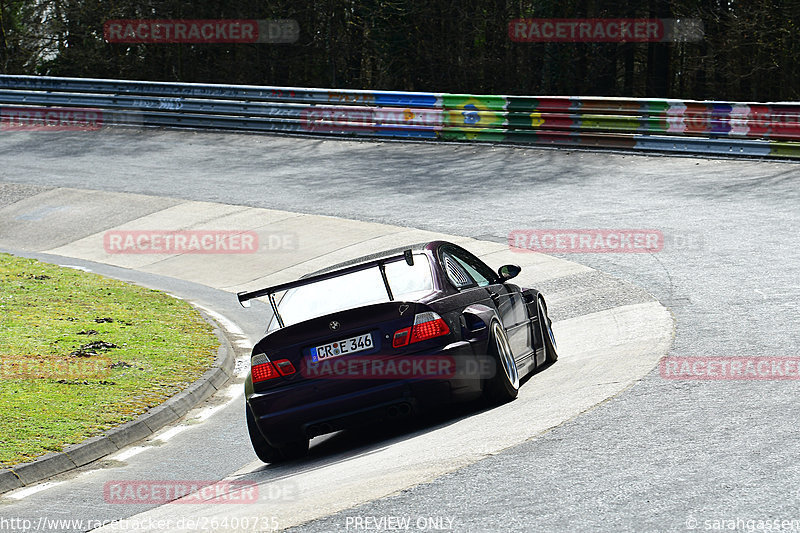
168, 434
243, 343
127, 454
225, 321
27, 491
233, 392
76, 267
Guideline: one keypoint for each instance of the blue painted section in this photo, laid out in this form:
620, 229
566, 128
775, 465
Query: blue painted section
406, 99
719, 121
409, 134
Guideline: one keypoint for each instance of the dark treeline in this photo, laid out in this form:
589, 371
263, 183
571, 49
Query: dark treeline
749, 52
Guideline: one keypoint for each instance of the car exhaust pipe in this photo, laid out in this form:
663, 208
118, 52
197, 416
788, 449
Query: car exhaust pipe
398, 411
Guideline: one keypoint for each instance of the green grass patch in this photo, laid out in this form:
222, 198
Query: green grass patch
80, 353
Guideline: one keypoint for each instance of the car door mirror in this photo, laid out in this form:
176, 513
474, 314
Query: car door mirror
507, 272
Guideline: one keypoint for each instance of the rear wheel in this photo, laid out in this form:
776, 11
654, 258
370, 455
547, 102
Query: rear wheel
268, 453
548, 338
504, 385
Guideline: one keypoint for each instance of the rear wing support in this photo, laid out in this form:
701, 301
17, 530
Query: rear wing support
244, 297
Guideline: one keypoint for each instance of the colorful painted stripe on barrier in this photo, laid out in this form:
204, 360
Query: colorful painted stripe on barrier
666, 125
646, 124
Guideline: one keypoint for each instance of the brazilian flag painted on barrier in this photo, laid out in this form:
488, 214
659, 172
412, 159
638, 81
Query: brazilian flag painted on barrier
523, 113
474, 117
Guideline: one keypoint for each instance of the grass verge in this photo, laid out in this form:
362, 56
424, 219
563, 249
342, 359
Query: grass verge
80, 353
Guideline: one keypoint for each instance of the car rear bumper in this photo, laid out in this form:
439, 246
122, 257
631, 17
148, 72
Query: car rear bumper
307, 408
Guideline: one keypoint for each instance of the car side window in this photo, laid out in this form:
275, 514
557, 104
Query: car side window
467, 264
456, 273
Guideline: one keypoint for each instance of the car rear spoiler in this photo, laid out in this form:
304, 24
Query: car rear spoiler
245, 296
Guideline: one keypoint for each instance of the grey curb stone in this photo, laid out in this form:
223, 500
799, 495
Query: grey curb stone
9, 481
181, 403
85, 452
90, 450
160, 416
130, 432
201, 390
44, 467
218, 377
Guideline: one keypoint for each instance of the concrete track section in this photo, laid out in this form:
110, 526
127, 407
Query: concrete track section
610, 335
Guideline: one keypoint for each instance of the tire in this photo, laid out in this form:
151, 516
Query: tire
548, 338
503, 386
268, 453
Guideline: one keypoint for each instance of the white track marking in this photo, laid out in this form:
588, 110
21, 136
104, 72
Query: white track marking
76, 267
244, 344
27, 491
127, 454
164, 436
225, 321
232, 392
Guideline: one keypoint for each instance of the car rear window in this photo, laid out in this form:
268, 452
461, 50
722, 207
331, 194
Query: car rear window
355, 290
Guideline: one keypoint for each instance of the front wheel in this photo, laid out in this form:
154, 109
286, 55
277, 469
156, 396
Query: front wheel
268, 453
503, 386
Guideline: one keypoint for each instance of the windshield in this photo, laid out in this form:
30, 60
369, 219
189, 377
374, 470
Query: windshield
354, 290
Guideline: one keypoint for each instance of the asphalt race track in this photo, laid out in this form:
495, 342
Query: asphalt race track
76, 227
663, 455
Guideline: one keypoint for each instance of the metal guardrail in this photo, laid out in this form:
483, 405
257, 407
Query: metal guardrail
661, 125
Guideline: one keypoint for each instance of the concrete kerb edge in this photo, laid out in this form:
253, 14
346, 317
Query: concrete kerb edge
94, 448
9, 481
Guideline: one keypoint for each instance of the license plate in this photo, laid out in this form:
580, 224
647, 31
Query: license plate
342, 347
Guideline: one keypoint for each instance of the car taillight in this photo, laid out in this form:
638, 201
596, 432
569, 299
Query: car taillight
426, 326
401, 337
285, 367
262, 369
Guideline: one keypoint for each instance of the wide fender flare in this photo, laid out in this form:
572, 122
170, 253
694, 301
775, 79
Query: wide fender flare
475, 320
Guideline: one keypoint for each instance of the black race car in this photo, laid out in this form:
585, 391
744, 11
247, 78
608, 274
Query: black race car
384, 335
